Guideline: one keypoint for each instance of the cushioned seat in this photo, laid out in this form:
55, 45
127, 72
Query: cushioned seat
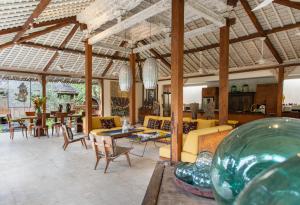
192, 143
97, 126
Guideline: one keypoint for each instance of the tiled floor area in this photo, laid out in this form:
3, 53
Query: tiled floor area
39, 172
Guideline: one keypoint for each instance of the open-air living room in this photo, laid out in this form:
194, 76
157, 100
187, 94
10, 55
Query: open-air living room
152, 102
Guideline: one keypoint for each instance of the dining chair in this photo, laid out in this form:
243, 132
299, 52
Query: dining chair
12, 127
70, 138
40, 127
105, 147
31, 123
58, 122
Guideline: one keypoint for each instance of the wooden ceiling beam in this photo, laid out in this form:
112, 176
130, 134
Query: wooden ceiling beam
35, 14
242, 70
260, 30
111, 62
62, 46
71, 19
287, 3
240, 39
68, 50
42, 32
157, 55
34, 35
29, 72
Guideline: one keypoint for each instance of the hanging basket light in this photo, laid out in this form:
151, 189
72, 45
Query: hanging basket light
125, 78
150, 73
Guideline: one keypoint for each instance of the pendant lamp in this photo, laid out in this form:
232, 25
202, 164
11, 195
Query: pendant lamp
125, 78
150, 73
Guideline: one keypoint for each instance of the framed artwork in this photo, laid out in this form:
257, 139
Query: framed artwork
19, 95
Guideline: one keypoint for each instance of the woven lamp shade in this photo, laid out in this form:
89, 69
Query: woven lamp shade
150, 73
125, 78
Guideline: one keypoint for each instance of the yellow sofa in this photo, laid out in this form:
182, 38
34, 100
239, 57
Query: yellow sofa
202, 123
205, 139
97, 126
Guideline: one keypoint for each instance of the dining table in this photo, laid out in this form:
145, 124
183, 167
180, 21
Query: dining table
78, 118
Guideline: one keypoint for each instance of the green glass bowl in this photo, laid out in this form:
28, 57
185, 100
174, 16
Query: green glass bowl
249, 150
279, 185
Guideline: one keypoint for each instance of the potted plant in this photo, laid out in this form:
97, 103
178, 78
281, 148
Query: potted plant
38, 102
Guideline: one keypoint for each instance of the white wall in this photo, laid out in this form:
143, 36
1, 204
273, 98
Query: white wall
107, 97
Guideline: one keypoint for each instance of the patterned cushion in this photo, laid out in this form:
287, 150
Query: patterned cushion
193, 125
167, 125
151, 123
70, 133
186, 127
157, 124
108, 123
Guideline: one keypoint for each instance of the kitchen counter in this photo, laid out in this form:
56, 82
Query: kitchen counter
244, 117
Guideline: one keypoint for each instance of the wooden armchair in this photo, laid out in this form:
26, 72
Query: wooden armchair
13, 127
58, 122
105, 147
69, 138
31, 123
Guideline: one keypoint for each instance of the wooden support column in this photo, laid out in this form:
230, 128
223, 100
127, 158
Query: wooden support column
223, 74
44, 108
177, 78
101, 95
132, 96
280, 91
88, 86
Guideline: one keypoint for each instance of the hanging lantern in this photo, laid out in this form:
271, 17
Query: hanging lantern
150, 73
125, 78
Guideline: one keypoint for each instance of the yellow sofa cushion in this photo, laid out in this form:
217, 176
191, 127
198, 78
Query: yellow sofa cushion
165, 151
192, 142
188, 157
202, 123
96, 121
149, 117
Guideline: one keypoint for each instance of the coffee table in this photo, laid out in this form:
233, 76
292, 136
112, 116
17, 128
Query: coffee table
117, 134
147, 137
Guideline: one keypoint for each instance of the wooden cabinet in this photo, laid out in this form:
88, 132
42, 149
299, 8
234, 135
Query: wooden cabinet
241, 101
266, 94
210, 92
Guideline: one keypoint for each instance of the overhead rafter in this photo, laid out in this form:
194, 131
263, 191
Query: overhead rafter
240, 39
260, 30
157, 55
61, 74
288, 3
35, 14
68, 50
34, 35
71, 19
153, 10
237, 70
122, 44
62, 46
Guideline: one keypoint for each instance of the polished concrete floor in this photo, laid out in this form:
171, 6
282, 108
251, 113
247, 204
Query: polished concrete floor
38, 171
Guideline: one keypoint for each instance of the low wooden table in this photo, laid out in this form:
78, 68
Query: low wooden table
117, 134
163, 190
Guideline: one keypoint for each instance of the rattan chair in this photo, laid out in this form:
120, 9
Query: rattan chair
105, 147
70, 138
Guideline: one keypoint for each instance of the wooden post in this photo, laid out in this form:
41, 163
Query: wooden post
177, 78
132, 117
280, 91
101, 95
88, 87
223, 74
44, 108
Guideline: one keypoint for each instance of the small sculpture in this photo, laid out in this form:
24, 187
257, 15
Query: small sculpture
23, 93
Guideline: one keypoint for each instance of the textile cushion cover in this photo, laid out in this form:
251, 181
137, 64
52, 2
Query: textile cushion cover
108, 123
166, 125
